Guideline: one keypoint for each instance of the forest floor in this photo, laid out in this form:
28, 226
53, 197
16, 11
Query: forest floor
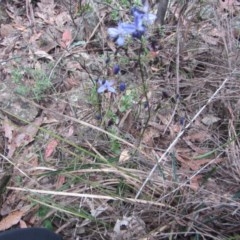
155, 156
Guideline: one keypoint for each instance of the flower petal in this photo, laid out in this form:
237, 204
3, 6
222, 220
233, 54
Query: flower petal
102, 89
138, 34
120, 41
116, 69
139, 23
113, 32
127, 28
146, 6
111, 89
149, 18
122, 86
109, 83
136, 12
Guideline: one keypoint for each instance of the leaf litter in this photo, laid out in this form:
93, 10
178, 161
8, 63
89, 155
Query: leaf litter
70, 45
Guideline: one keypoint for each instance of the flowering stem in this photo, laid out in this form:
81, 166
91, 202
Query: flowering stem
144, 86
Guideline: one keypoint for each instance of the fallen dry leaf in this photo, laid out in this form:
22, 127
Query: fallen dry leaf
61, 19
6, 30
19, 137
51, 146
60, 181
22, 224
195, 182
12, 219
189, 163
149, 135
210, 119
8, 128
29, 132
66, 38
43, 54
124, 156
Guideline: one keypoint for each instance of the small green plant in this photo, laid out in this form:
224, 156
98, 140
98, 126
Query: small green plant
48, 224
42, 82
115, 146
83, 8
114, 14
42, 212
127, 100
93, 97
16, 75
38, 84
110, 115
22, 90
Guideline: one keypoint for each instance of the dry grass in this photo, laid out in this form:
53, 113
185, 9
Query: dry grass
178, 180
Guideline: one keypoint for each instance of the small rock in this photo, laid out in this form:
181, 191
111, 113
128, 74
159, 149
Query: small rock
18, 106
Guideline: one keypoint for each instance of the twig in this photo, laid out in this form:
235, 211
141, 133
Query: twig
180, 134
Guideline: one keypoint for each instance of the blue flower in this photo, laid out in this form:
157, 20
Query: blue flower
105, 85
136, 29
122, 86
142, 17
182, 120
121, 31
116, 69
98, 116
107, 60
138, 34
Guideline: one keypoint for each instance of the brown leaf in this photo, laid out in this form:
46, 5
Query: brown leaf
8, 128
28, 132
149, 135
12, 219
194, 182
69, 83
51, 146
60, 181
43, 54
22, 136
66, 38
7, 30
194, 165
35, 37
22, 224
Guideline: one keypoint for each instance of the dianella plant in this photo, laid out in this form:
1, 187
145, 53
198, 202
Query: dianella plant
124, 34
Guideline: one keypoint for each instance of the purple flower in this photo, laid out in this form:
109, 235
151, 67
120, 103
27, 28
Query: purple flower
121, 31
122, 86
141, 17
116, 69
138, 34
182, 120
105, 85
98, 116
136, 29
